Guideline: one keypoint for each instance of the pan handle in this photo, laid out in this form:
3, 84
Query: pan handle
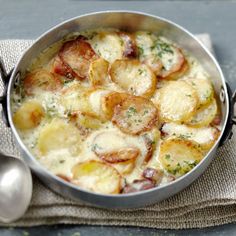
231, 118
3, 98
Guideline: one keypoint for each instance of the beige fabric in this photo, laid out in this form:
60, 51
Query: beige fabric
211, 200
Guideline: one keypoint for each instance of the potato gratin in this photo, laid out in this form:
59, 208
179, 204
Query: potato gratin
116, 112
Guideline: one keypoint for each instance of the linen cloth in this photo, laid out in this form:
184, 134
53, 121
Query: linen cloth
210, 200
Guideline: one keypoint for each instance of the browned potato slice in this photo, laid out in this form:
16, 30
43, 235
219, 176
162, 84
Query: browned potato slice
154, 63
29, 115
172, 58
110, 101
97, 177
77, 55
135, 115
178, 101
98, 72
57, 135
165, 59
120, 155
205, 136
204, 116
41, 80
134, 77
204, 90
179, 156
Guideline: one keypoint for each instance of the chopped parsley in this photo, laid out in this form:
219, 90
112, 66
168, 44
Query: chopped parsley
131, 111
185, 136
167, 156
162, 48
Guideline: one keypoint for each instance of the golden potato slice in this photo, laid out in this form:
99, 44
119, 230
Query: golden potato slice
108, 45
98, 72
97, 177
178, 101
204, 90
204, 116
179, 156
41, 80
135, 115
205, 136
110, 101
57, 135
28, 115
134, 77
76, 98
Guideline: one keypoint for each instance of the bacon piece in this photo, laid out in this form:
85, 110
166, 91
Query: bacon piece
76, 56
130, 47
138, 185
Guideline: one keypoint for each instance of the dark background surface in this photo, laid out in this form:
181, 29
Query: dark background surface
27, 19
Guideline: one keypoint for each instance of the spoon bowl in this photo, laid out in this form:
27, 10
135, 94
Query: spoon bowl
15, 188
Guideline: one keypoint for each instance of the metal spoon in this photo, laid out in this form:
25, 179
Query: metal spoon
15, 188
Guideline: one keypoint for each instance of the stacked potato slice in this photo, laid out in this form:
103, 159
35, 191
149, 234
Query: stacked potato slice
116, 112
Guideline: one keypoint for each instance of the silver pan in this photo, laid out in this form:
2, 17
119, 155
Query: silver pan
128, 21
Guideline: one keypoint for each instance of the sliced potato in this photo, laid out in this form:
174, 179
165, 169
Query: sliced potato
98, 72
110, 101
204, 90
134, 77
171, 57
135, 115
125, 167
166, 60
204, 116
76, 98
108, 45
121, 155
41, 80
154, 63
86, 120
77, 55
112, 147
97, 177
179, 156
205, 136
59, 134
29, 115
96, 99
178, 101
